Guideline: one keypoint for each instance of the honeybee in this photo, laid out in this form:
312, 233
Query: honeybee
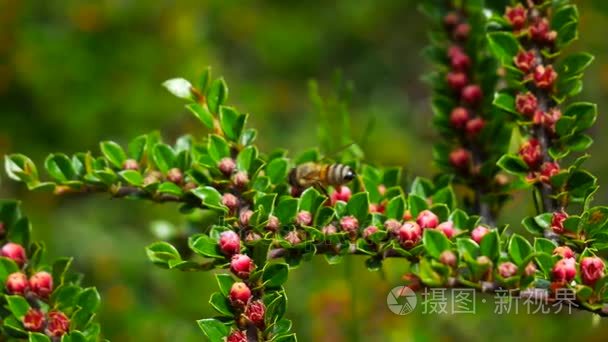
320, 175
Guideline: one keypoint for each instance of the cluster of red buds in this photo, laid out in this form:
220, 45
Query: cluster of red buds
463, 117
409, 233
592, 268
39, 286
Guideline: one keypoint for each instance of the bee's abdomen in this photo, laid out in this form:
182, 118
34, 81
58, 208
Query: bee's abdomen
339, 174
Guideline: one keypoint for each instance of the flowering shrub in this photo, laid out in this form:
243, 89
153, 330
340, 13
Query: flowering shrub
267, 215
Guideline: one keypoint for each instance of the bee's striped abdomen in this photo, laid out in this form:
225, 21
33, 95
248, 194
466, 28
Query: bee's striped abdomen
339, 174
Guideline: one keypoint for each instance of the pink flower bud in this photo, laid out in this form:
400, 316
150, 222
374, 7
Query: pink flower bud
531, 153
342, 193
376, 208
451, 19
175, 175
152, 177
564, 270
392, 226
459, 117
460, 159
557, 222
252, 236
14, 251
33, 320
241, 265
293, 237
541, 32
237, 336
530, 270
472, 94
592, 270
41, 284
478, 233
240, 179
130, 164
563, 251
447, 228
460, 61
349, 224
516, 16
427, 219
58, 324
483, 260
409, 234
548, 170
244, 217
457, 80
255, 313
448, 258
525, 61
230, 201
547, 119
544, 77
273, 223
230, 243
382, 189
507, 269
474, 126
526, 104
462, 30
17, 283
227, 166
304, 218
239, 294
329, 229
367, 232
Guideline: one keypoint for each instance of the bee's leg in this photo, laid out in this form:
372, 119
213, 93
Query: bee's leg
320, 187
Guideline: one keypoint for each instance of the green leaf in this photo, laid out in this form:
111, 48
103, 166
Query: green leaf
512, 164
20, 232
60, 167
215, 330
505, 101
530, 224
164, 157
490, 245
38, 337
20, 168
18, 306
224, 282
137, 147
358, 206
206, 246
221, 304
60, 268
563, 16
542, 245
468, 247
89, 299
132, 177
584, 113
287, 338
114, 153
245, 159
232, 122
210, 197
435, 242
310, 200
217, 94
416, 204
179, 87
202, 113
170, 188
574, 64
519, 249
277, 170
65, 296
160, 253
504, 46
275, 275
395, 208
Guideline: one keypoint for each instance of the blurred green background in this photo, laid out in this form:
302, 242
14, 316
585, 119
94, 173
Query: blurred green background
73, 73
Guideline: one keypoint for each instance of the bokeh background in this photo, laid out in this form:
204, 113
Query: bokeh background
73, 73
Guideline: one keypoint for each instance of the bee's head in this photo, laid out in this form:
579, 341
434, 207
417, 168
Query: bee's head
349, 175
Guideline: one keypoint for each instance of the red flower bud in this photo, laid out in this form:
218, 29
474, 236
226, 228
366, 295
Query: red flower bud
392, 226
526, 104
255, 313
304, 218
407, 215
409, 234
507, 269
460, 61
451, 19
557, 222
564, 270
349, 224
329, 229
530, 269
525, 61
230, 243
448, 258
376, 208
33, 320
14, 251
460, 158
475, 126
427, 219
478, 233
17, 283
58, 324
341, 193
273, 223
239, 294
472, 94
447, 228
461, 32
531, 153
457, 80
563, 251
252, 236
592, 270
175, 175
293, 237
231, 201
241, 265
516, 16
227, 166
41, 284
412, 281
459, 117
541, 32
544, 77
244, 217
548, 170
240, 179
369, 231
130, 164
237, 336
